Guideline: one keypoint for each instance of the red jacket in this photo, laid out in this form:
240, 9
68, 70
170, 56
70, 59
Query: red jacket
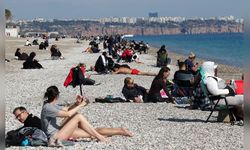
69, 78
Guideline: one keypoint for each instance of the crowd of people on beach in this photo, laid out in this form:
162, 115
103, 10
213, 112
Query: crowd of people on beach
29, 60
185, 83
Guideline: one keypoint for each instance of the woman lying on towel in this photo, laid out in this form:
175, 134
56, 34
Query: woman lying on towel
74, 125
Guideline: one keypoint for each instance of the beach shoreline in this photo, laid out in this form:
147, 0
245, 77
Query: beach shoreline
155, 125
225, 71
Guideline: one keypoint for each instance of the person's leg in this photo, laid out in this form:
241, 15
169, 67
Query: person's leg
71, 125
114, 131
147, 73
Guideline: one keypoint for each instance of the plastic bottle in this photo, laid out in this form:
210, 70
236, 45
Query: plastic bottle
25, 142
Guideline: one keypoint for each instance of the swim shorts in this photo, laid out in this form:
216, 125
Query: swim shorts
135, 71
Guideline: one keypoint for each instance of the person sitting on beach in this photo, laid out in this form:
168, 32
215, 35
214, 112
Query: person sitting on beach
117, 69
20, 56
190, 63
74, 125
183, 80
46, 43
29, 120
217, 86
162, 57
74, 71
134, 92
32, 63
127, 54
42, 46
27, 43
55, 52
101, 65
160, 83
35, 42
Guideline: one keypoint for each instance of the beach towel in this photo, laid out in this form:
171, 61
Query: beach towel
239, 87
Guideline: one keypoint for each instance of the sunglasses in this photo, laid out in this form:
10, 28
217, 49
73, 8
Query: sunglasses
17, 116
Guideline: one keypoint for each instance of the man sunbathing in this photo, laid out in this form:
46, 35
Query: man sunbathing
126, 70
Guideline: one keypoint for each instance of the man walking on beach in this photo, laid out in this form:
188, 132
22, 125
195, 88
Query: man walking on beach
26, 118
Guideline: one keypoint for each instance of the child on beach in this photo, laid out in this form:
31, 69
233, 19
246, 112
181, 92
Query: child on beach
74, 125
132, 91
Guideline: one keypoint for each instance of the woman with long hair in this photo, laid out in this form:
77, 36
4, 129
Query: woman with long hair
160, 83
74, 125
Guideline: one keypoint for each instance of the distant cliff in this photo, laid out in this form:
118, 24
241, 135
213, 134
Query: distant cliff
73, 28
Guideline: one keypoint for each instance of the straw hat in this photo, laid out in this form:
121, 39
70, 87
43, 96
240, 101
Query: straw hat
191, 55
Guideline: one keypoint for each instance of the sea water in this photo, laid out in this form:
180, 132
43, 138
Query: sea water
226, 48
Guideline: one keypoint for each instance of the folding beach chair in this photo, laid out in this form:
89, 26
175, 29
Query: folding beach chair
209, 100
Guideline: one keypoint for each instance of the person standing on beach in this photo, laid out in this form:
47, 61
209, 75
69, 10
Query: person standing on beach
190, 63
110, 42
74, 125
162, 57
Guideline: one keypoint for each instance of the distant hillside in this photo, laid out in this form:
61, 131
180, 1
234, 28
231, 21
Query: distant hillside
80, 27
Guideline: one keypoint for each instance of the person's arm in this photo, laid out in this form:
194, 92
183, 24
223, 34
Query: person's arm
126, 93
144, 90
167, 92
69, 113
73, 109
212, 86
194, 67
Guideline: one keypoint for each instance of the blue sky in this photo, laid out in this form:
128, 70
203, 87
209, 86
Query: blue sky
75, 9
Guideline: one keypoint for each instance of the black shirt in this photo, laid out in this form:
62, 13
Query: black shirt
131, 93
182, 78
32, 121
157, 86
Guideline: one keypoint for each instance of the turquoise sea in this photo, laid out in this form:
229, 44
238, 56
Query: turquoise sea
227, 49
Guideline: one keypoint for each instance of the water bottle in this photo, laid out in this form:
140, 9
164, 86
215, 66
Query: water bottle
25, 142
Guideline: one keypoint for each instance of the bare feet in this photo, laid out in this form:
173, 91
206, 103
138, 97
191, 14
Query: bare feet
126, 132
105, 140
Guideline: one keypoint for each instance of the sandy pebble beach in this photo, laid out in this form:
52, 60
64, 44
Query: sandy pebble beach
155, 125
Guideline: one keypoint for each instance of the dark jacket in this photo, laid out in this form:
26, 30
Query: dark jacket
55, 52
182, 78
32, 121
99, 65
131, 93
31, 64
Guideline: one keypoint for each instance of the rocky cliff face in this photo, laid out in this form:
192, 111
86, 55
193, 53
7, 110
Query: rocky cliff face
94, 28
97, 30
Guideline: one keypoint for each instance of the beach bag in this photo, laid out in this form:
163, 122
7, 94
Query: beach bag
110, 99
31, 136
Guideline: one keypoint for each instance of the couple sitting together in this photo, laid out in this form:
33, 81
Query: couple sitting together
74, 125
